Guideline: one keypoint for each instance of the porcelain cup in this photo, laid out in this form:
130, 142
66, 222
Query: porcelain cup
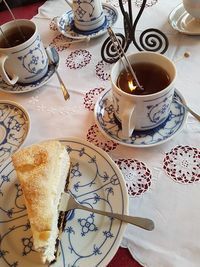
142, 112
88, 14
24, 63
192, 7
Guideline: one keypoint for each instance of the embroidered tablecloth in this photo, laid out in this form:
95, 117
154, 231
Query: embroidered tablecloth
163, 182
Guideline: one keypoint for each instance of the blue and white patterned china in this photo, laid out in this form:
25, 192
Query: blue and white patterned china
26, 62
88, 239
23, 88
111, 127
88, 14
143, 111
14, 128
65, 24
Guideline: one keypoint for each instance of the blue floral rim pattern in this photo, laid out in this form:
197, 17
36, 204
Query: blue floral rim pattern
102, 27
111, 127
88, 239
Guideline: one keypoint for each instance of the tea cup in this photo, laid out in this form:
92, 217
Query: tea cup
23, 57
192, 7
88, 15
143, 111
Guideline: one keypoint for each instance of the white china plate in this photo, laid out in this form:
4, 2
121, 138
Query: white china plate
14, 128
183, 22
111, 128
88, 239
65, 24
23, 88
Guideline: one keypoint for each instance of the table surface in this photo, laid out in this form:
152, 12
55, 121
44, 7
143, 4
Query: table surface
154, 187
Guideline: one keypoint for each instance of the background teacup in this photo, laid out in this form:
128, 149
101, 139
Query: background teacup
88, 14
143, 111
192, 7
23, 58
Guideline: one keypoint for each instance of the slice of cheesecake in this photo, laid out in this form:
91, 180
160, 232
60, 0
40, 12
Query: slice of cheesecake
42, 170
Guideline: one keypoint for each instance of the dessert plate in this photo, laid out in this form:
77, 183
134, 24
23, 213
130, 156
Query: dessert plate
111, 127
23, 88
65, 24
14, 128
183, 22
88, 239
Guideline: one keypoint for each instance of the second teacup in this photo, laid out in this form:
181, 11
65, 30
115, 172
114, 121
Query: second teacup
149, 108
88, 15
22, 55
192, 7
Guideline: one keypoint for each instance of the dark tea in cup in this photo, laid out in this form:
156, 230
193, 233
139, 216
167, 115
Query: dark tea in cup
15, 36
151, 77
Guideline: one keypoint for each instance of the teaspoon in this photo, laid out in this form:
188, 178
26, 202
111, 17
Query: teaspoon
53, 59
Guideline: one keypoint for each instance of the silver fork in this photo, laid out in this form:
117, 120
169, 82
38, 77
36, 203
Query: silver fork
68, 202
177, 100
51, 53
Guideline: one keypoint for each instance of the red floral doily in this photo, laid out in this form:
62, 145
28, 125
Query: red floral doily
115, 2
61, 42
137, 176
52, 25
91, 97
96, 137
182, 164
149, 3
78, 59
103, 70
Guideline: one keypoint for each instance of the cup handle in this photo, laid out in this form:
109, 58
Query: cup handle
128, 122
69, 3
3, 73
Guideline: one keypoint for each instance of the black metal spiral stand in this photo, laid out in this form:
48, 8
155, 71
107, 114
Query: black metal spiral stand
149, 40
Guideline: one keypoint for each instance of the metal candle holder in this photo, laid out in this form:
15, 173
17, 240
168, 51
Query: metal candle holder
150, 39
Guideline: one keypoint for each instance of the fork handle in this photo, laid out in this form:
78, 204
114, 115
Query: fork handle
144, 223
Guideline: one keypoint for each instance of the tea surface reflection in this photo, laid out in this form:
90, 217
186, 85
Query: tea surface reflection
152, 78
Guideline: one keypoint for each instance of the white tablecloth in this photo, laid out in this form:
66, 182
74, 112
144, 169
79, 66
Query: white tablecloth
163, 181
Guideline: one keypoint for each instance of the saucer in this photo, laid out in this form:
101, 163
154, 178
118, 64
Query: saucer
183, 22
23, 88
111, 127
65, 24
14, 128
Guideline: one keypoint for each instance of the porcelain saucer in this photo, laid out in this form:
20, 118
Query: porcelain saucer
111, 127
14, 128
23, 88
65, 24
183, 22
